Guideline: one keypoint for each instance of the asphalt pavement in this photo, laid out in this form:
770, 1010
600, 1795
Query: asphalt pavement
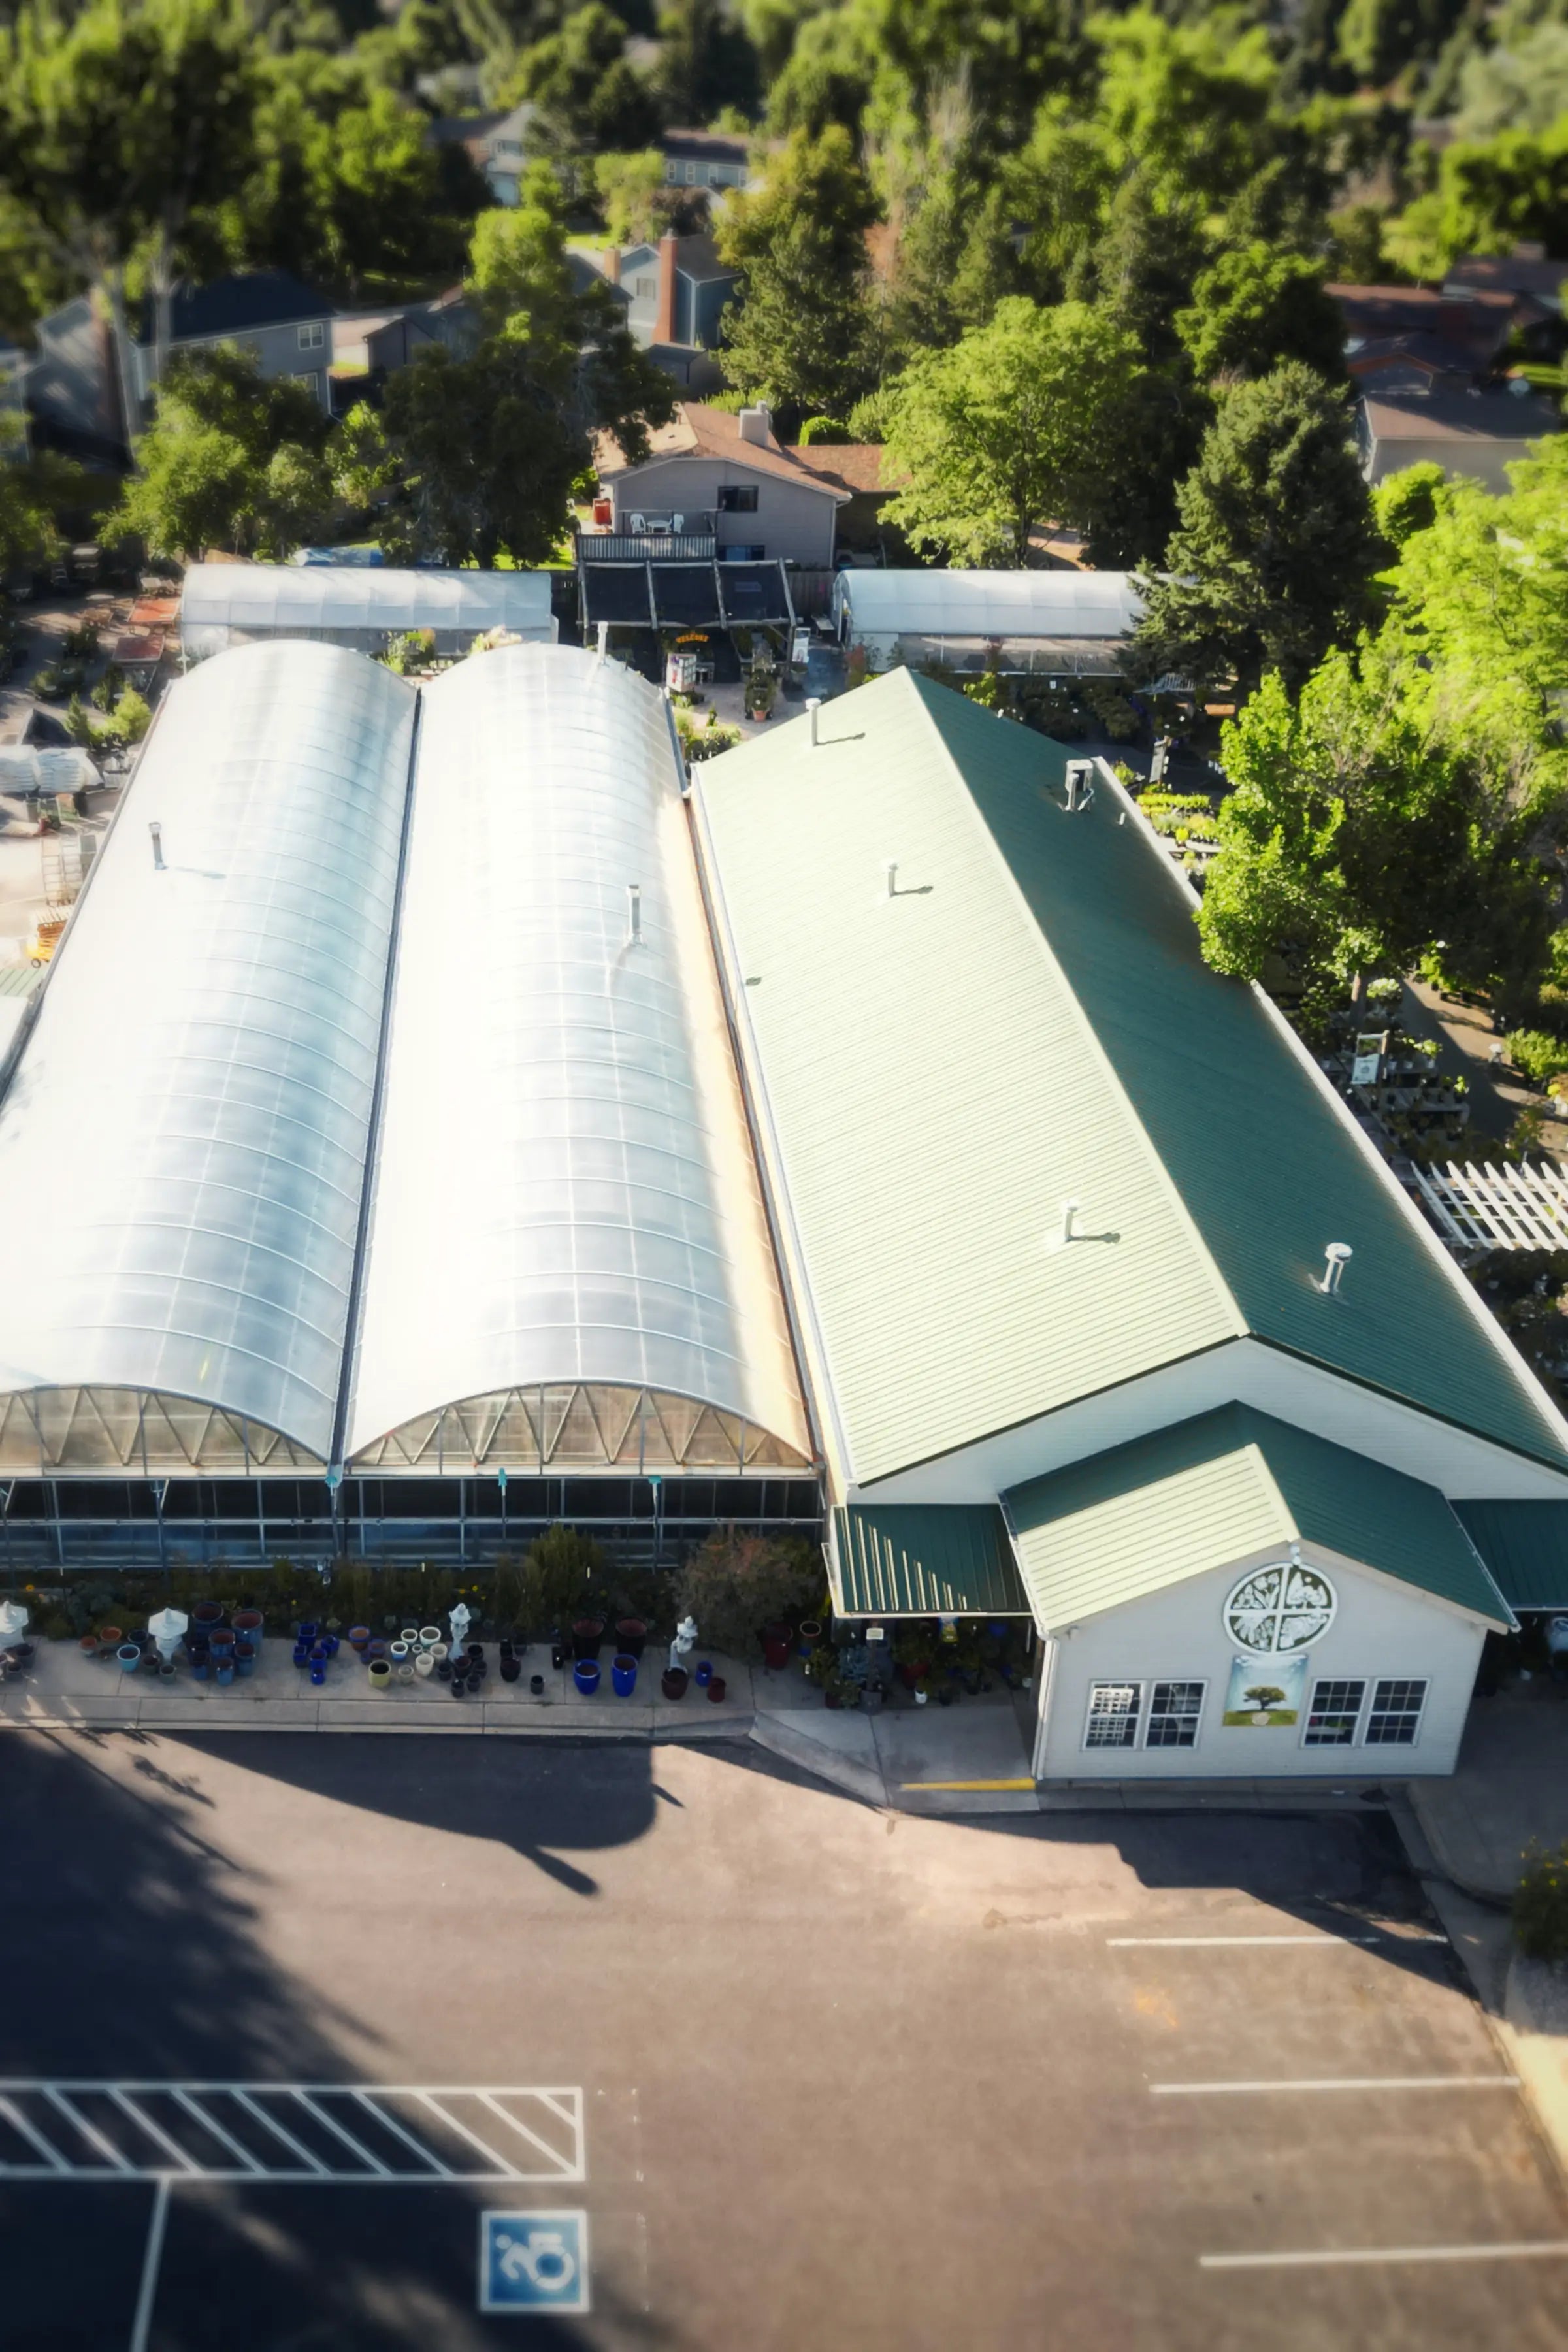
751, 2064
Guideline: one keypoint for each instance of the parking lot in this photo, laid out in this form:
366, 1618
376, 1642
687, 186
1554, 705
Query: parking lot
809, 2073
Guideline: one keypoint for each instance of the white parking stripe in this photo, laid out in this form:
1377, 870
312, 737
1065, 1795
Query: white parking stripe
1343, 2082
1196, 1943
1524, 2249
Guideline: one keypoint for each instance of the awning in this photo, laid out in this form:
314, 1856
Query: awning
754, 593
686, 596
911, 1559
618, 592
1525, 1547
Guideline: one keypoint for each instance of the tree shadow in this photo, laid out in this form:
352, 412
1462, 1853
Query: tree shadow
132, 1953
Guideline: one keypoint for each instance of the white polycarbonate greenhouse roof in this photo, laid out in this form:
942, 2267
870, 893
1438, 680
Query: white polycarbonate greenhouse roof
349, 596
987, 603
371, 1134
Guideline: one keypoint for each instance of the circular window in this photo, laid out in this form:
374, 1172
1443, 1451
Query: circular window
1280, 1608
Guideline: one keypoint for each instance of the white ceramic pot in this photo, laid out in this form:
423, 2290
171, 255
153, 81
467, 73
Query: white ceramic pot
397, 1651
424, 1665
429, 1636
404, 1672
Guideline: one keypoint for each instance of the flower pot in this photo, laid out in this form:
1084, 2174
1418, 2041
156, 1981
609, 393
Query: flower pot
704, 1674
302, 1654
221, 1639
397, 1650
149, 1658
920, 1697
509, 1669
808, 1637
672, 1682
587, 1634
443, 1670
716, 1688
536, 1686
631, 1633
459, 1684
404, 1672
109, 1637
409, 1637
358, 1639
376, 1647
424, 1665
129, 1657
380, 1674
88, 1645
245, 1659
624, 1675
777, 1642
165, 1670
223, 1670
206, 1615
307, 1634
201, 1665
318, 1672
586, 1675
247, 1625
429, 1637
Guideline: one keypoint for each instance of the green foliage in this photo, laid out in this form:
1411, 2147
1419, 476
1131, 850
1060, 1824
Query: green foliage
563, 1574
737, 1582
802, 337
1490, 193
1009, 429
1536, 1054
230, 461
630, 189
1274, 546
1541, 1905
587, 94
1408, 501
1258, 306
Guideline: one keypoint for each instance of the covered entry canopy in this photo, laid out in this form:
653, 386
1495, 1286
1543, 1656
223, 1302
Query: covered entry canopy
685, 595
1525, 1547
924, 1561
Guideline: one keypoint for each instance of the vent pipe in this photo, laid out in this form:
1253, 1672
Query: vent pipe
1079, 790
814, 704
1069, 1214
892, 878
156, 830
604, 639
1337, 1256
634, 914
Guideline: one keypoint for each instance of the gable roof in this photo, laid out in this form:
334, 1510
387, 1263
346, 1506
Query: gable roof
1030, 1021
1460, 417
853, 466
229, 306
699, 431
1216, 1491
1478, 319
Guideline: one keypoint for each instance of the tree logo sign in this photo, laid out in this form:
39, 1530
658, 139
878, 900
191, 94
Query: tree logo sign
1283, 1607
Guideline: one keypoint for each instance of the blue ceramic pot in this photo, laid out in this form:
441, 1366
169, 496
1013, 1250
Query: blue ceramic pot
586, 1675
624, 1675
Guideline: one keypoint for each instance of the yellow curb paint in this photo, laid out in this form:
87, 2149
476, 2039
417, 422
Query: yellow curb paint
966, 1784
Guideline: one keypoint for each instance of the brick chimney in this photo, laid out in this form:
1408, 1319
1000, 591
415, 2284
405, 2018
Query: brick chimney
664, 318
613, 264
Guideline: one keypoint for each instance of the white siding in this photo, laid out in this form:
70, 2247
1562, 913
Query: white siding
1381, 1628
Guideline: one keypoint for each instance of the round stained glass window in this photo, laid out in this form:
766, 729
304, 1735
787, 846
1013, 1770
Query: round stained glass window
1279, 1608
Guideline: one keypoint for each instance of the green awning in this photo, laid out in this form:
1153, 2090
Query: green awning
924, 1561
1525, 1547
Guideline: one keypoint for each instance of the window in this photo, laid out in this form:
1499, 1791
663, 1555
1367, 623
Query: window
738, 497
1333, 1714
313, 336
1395, 1712
692, 175
743, 554
310, 384
1173, 1712
1113, 1715
645, 289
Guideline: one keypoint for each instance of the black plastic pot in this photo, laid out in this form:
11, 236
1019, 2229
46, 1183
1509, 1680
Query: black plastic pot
536, 1685
510, 1670
587, 1637
631, 1637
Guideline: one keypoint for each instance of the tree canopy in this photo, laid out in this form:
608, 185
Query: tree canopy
230, 462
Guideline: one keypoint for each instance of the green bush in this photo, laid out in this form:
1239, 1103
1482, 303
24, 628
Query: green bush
1536, 1054
1541, 1905
737, 1582
558, 1580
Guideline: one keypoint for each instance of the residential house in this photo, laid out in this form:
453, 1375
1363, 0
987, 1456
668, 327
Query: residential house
368, 346
676, 293
1471, 433
716, 475
705, 158
857, 468
1402, 330
495, 144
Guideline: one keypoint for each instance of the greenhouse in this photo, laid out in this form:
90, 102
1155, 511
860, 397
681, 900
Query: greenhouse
414, 1161
356, 605
1061, 624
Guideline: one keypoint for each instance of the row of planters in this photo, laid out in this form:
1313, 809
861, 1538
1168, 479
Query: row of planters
973, 1657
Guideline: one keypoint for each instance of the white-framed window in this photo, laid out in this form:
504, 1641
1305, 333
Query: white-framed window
1144, 1715
312, 335
310, 384
645, 289
1342, 1715
1394, 1715
692, 175
1113, 1711
1176, 1711
1335, 1711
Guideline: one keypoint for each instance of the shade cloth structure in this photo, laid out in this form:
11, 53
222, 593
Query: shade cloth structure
224, 604
877, 603
522, 1173
579, 1270
167, 1628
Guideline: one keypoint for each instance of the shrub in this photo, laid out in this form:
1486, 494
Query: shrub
1541, 1905
558, 1572
737, 1582
1535, 1053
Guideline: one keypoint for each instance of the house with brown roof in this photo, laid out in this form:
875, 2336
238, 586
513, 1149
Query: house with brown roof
1471, 433
710, 474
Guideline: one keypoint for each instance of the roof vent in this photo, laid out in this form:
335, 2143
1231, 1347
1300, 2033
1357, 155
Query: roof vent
755, 425
156, 830
634, 914
1079, 785
1337, 1256
814, 704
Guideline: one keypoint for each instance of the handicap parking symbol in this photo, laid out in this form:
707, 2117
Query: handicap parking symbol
533, 2261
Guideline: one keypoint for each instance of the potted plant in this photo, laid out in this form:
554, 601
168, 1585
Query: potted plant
672, 1682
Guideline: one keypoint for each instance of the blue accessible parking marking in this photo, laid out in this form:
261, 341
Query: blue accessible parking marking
533, 2261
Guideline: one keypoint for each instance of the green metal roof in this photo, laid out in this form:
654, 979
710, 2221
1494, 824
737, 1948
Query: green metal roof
1525, 1546
1221, 1488
19, 978
1028, 1020
941, 1561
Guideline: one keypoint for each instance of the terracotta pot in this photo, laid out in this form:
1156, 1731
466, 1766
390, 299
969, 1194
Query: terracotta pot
716, 1687
672, 1683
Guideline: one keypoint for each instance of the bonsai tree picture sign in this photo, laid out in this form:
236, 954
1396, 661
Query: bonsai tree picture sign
1265, 1694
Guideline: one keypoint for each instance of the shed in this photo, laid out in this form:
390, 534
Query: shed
1057, 622
355, 605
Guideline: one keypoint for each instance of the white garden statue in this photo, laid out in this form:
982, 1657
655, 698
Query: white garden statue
13, 1623
167, 1627
685, 1642
458, 1620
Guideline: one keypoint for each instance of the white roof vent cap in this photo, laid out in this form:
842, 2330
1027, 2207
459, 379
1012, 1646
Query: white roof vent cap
1336, 1257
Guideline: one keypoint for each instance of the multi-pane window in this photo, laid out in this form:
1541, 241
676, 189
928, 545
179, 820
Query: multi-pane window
645, 289
1333, 1716
313, 336
1173, 1712
738, 497
1394, 1714
1113, 1715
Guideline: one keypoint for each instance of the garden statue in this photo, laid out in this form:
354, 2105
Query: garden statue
13, 1623
685, 1642
458, 1619
167, 1629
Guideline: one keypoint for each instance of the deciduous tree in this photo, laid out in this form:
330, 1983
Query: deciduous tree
802, 336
